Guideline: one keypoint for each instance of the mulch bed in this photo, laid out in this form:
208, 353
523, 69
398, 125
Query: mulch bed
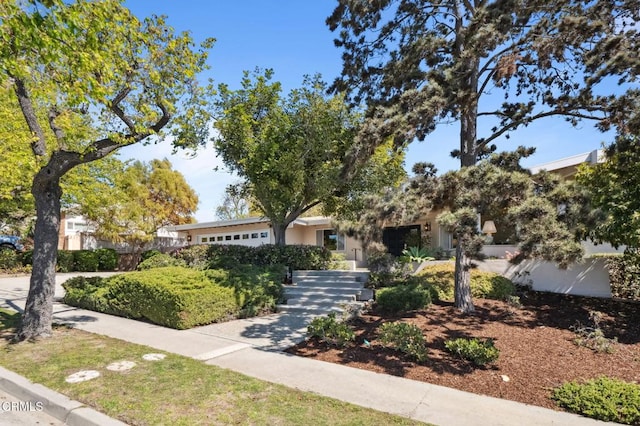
536, 343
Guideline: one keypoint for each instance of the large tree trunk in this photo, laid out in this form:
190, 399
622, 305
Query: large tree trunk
38, 312
279, 233
468, 157
462, 291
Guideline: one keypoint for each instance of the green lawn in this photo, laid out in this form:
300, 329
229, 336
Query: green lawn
175, 391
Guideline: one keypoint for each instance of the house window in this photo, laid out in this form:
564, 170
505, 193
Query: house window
227, 237
264, 235
236, 237
330, 239
254, 235
245, 236
204, 239
219, 238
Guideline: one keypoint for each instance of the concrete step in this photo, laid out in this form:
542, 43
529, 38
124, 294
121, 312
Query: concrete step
328, 283
322, 290
320, 300
316, 309
337, 275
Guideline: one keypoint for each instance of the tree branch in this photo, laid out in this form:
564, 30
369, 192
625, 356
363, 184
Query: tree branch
524, 120
38, 146
57, 130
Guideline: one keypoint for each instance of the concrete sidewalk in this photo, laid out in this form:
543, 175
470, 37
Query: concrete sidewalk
253, 347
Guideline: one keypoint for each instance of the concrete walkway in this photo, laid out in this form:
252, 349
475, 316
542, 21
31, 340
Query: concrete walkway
253, 347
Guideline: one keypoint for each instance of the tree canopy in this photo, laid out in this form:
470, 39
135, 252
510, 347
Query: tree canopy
132, 205
614, 187
89, 78
290, 150
418, 63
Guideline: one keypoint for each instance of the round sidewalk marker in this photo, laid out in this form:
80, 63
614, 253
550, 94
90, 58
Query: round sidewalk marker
153, 357
121, 366
82, 376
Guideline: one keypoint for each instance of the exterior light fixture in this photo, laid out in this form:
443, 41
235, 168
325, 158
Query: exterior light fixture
489, 228
189, 238
427, 226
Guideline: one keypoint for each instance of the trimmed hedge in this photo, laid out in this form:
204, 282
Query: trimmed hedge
160, 260
486, 285
300, 257
257, 290
107, 259
80, 260
402, 298
174, 297
85, 261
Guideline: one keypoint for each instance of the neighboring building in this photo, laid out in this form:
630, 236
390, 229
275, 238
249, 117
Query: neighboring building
74, 232
256, 231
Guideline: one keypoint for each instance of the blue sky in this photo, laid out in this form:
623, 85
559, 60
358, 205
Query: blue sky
291, 37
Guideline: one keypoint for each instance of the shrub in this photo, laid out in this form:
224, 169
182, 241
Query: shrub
85, 261
406, 338
603, 398
174, 297
107, 259
480, 352
149, 254
160, 260
593, 337
256, 290
331, 331
86, 293
487, 285
27, 257
385, 269
65, 261
194, 256
402, 298
9, 259
299, 257
624, 275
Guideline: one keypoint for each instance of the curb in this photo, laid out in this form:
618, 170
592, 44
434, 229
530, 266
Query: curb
72, 413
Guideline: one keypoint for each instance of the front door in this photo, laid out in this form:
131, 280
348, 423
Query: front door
395, 239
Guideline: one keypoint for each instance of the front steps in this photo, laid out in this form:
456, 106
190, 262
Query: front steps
321, 292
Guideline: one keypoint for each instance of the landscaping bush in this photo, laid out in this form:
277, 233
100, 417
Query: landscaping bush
9, 259
605, 398
385, 269
480, 352
85, 261
299, 257
174, 297
107, 259
149, 254
624, 275
194, 256
257, 290
486, 285
402, 298
331, 331
65, 261
406, 338
86, 293
27, 258
160, 260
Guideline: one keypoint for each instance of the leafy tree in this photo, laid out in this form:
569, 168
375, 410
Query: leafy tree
419, 63
614, 186
235, 204
103, 80
290, 151
132, 205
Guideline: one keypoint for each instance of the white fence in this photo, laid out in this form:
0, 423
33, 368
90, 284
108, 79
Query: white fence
589, 278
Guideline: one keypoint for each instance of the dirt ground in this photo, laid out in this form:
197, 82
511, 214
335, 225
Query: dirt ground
536, 343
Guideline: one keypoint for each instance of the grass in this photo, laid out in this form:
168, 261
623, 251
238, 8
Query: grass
175, 391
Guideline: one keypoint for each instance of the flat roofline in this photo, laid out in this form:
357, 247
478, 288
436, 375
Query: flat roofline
594, 156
